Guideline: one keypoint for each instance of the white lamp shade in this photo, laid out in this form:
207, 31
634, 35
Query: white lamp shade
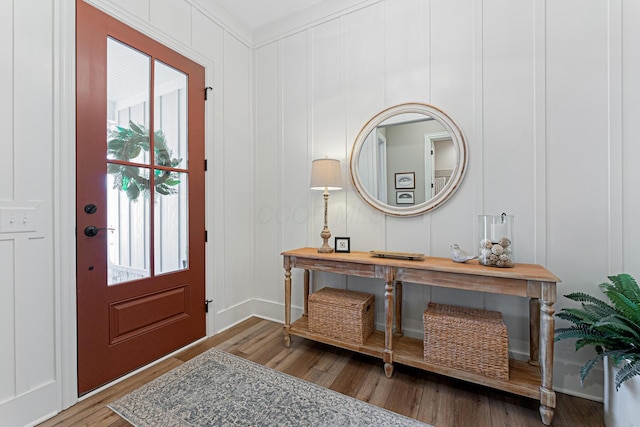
325, 173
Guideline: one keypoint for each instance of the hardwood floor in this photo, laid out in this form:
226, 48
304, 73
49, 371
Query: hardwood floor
433, 399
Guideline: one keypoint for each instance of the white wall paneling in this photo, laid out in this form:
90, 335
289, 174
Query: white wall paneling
293, 212
295, 144
539, 131
137, 8
238, 177
173, 17
615, 142
7, 49
577, 190
7, 318
305, 19
508, 166
28, 299
630, 129
406, 64
269, 209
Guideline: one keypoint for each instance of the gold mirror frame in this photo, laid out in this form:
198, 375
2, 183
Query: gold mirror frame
459, 145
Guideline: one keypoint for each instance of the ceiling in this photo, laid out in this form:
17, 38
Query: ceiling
257, 13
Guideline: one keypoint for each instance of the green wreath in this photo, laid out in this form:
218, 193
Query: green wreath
127, 144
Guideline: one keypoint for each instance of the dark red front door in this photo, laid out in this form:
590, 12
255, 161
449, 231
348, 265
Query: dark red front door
140, 199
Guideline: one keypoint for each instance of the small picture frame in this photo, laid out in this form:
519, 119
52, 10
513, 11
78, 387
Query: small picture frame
405, 180
405, 198
343, 244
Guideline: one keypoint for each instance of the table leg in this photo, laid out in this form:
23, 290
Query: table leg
534, 331
398, 332
306, 293
547, 395
388, 327
287, 303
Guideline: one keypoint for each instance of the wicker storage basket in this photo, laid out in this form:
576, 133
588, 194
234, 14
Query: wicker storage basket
468, 339
343, 315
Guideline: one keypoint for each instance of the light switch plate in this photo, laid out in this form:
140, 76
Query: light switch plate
17, 220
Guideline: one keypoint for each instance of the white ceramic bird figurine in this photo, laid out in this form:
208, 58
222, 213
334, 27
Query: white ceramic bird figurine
458, 255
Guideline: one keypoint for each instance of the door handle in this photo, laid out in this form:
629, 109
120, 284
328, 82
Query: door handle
92, 230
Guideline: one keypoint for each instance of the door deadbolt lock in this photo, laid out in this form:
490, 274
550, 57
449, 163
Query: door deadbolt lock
92, 230
90, 208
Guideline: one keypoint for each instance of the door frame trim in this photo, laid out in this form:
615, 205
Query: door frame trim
65, 183
65, 201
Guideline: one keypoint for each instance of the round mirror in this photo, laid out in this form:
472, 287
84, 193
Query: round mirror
408, 159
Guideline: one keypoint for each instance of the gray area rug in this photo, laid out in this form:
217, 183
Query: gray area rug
220, 389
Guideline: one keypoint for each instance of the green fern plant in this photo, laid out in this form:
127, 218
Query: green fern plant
613, 329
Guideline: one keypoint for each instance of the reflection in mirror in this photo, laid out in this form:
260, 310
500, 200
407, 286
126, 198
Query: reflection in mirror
407, 143
417, 142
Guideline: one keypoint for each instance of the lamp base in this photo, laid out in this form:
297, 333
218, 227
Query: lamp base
325, 234
325, 249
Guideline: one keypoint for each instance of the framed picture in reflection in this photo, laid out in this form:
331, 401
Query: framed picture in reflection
405, 180
405, 198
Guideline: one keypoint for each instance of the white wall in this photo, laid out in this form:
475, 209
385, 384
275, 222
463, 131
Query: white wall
545, 94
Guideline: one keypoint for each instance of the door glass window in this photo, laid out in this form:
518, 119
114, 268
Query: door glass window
147, 212
128, 234
171, 237
170, 115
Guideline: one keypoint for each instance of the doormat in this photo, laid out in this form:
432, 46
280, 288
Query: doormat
219, 389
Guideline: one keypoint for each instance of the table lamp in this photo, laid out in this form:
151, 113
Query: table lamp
325, 175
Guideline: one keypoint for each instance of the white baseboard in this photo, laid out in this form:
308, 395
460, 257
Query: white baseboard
20, 410
231, 316
566, 379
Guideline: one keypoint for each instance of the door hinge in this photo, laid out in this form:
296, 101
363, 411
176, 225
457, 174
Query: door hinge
206, 236
206, 165
206, 305
207, 89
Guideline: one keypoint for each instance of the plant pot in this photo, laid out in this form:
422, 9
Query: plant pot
620, 407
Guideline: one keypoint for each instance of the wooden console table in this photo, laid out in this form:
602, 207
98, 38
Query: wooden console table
531, 379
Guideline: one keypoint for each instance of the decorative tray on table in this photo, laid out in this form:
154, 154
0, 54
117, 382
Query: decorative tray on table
398, 255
